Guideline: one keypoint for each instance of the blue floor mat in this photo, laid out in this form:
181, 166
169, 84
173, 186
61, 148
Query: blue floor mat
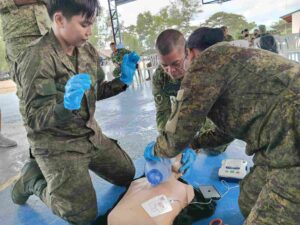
204, 172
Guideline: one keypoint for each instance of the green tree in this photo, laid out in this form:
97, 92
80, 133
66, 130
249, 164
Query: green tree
131, 40
181, 13
145, 29
101, 31
177, 15
281, 27
235, 23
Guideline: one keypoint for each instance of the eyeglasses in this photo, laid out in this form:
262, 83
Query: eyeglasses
177, 65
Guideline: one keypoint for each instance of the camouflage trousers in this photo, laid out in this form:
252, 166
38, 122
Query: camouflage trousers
70, 192
271, 196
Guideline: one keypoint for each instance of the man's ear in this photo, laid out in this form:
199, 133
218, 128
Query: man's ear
193, 53
59, 19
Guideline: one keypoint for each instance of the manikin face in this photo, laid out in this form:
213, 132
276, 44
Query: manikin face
173, 63
75, 31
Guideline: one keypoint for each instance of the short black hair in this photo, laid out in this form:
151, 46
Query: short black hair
112, 43
69, 8
204, 37
168, 40
245, 30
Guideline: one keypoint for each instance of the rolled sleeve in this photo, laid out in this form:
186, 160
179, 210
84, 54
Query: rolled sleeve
107, 89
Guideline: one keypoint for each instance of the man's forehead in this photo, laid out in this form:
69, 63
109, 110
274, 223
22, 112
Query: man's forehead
175, 55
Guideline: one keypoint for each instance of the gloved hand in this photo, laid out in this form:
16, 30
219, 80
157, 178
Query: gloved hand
128, 67
187, 160
74, 90
149, 152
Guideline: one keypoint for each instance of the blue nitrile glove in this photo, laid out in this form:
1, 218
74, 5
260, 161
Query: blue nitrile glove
74, 90
188, 158
149, 152
128, 67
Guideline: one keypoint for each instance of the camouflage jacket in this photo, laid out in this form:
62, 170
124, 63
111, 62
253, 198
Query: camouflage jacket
163, 88
117, 57
22, 24
42, 71
250, 94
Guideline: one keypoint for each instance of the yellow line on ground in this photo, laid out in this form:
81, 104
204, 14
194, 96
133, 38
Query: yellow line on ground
9, 182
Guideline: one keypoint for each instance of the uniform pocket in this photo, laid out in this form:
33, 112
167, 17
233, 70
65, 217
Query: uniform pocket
45, 87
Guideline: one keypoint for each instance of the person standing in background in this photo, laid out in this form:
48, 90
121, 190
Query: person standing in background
23, 21
117, 55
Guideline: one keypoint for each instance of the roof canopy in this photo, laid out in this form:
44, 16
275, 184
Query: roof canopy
120, 2
288, 17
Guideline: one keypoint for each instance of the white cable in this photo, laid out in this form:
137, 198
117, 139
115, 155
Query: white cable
207, 203
227, 187
202, 203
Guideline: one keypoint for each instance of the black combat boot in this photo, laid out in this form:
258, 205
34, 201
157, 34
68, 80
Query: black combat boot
30, 182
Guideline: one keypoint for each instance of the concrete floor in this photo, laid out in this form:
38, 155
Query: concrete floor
119, 117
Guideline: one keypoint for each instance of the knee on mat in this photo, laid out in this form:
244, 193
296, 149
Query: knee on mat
81, 218
79, 213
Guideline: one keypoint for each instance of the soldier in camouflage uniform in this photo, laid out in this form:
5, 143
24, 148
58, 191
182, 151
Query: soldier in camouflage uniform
254, 96
166, 83
67, 143
22, 22
117, 58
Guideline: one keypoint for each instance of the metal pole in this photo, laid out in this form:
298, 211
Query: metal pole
114, 21
111, 20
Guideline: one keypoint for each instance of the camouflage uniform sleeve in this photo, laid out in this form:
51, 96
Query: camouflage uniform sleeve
118, 58
106, 89
210, 137
162, 101
7, 5
200, 89
43, 99
114, 58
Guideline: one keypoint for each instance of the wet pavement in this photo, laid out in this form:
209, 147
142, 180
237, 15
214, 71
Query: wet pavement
128, 117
